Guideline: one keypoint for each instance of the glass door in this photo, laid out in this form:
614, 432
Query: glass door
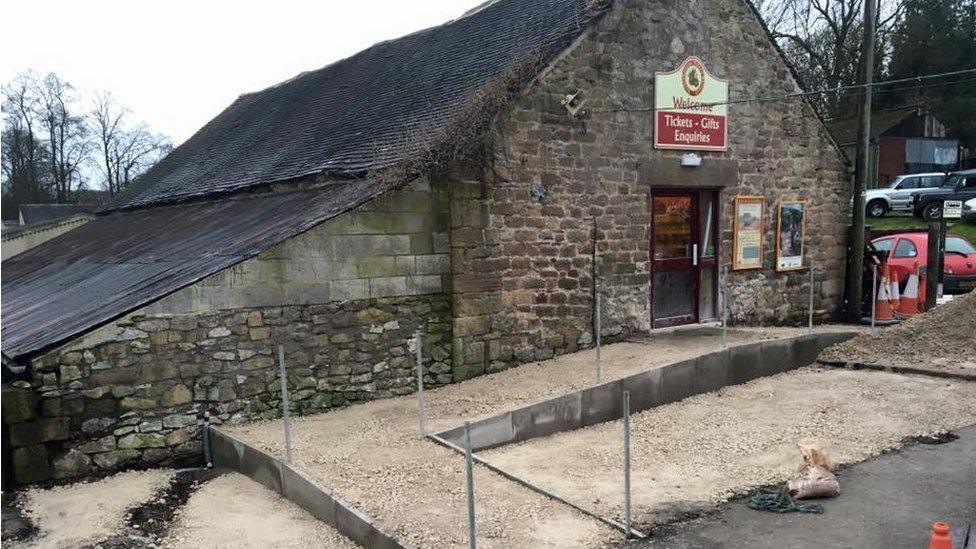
675, 253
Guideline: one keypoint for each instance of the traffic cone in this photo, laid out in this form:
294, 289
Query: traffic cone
940, 536
908, 306
882, 306
895, 293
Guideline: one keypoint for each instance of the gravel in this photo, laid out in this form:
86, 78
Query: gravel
371, 454
941, 338
708, 448
234, 511
88, 512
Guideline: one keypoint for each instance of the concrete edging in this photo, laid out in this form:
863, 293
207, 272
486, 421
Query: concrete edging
917, 370
648, 389
231, 453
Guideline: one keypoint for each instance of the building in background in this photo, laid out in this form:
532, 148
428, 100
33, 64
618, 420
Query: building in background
903, 141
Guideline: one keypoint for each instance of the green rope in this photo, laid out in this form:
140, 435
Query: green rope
779, 501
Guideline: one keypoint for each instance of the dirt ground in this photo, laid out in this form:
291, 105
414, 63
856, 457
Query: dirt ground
709, 447
87, 513
941, 338
371, 454
234, 511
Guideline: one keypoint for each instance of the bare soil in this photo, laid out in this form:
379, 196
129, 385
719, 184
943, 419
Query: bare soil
943, 338
708, 448
372, 456
232, 511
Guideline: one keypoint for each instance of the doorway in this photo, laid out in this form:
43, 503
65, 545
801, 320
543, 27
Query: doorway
684, 264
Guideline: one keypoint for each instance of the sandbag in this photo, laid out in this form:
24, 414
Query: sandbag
814, 479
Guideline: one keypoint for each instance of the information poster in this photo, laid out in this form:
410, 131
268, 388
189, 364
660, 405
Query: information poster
747, 233
789, 235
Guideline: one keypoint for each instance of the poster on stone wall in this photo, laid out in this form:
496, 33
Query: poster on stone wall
747, 233
789, 235
690, 106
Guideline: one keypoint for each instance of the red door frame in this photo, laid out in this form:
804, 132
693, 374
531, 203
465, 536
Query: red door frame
678, 264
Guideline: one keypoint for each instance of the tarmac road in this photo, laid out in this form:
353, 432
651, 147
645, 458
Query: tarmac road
887, 502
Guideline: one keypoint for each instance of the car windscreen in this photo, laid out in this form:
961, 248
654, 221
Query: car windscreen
959, 245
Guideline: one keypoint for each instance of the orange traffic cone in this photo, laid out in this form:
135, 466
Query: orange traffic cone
908, 306
882, 306
895, 294
940, 536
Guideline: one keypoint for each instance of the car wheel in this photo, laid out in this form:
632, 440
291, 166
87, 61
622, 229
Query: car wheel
877, 208
932, 211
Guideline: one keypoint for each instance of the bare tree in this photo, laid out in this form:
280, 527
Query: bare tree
23, 151
67, 134
126, 150
822, 39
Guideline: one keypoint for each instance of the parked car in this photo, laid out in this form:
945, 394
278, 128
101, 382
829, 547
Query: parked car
958, 186
897, 196
904, 249
969, 210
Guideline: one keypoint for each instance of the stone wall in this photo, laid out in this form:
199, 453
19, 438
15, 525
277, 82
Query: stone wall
342, 298
563, 185
134, 392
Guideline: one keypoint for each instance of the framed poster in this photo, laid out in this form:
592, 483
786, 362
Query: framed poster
789, 235
747, 233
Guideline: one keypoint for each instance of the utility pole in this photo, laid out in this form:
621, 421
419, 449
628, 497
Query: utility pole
861, 164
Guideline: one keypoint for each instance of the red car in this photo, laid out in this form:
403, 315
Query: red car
904, 249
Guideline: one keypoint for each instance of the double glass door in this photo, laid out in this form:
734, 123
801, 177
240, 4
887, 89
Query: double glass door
683, 256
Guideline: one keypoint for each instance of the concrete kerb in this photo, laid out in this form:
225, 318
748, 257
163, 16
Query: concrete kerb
231, 453
662, 385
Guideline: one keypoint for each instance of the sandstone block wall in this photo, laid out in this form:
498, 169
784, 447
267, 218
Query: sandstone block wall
563, 184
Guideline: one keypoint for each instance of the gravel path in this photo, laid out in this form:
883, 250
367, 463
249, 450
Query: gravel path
370, 454
88, 512
710, 447
232, 511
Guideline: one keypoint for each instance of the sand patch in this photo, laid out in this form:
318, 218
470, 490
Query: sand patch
710, 447
86, 513
234, 511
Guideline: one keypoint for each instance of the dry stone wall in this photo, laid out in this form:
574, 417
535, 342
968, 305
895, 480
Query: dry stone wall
135, 392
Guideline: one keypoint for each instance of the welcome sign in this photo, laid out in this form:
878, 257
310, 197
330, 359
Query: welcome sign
689, 108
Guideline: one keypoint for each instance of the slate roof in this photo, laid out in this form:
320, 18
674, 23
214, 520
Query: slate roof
177, 224
119, 262
43, 213
365, 112
844, 129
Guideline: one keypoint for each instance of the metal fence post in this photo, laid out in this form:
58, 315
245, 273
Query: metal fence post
284, 401
207, 450
626, 416
469, 464
724, 298
599, 315
874, 291
418, 341
810, 319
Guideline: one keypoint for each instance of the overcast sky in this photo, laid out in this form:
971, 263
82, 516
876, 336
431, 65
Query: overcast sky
177, 63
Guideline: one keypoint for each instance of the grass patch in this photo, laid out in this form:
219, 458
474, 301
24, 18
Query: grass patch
956, 226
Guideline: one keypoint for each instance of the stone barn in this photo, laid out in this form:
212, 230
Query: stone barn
484, 182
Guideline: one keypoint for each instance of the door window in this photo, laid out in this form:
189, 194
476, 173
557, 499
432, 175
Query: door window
672, 227
908, 184
905, 248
